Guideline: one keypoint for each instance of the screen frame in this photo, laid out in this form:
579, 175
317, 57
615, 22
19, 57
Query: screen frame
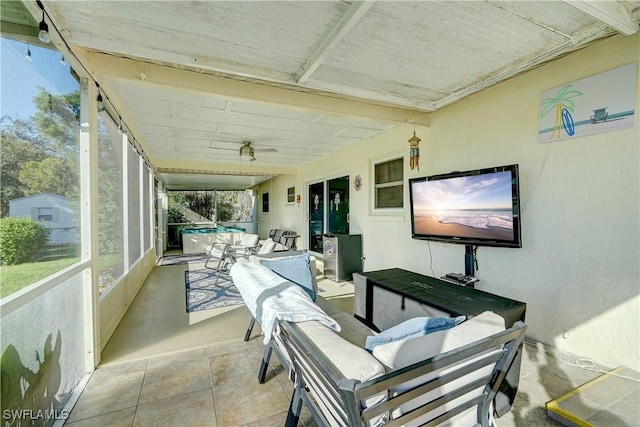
516, 242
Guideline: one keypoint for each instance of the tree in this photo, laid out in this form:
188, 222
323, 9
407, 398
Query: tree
19, 143
52, 132
56, 119
49, 175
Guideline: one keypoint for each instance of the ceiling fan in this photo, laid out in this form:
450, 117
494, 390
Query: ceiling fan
247, 152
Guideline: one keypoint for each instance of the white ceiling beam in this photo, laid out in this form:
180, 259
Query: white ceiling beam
106, 65
611, 13
346, 24
505, 74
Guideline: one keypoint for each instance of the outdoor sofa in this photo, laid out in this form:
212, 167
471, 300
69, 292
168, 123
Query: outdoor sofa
448, 377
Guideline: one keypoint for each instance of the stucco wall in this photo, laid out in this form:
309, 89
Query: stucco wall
578, 270
114, 305
281, 213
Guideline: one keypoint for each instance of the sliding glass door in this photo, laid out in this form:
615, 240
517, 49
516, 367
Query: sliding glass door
331, 216
316, 216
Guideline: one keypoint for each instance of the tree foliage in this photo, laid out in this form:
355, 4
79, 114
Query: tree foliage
19, 143
46, 146
217, 206
49, 175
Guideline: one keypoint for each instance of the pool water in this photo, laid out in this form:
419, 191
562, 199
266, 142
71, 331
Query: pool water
213, 230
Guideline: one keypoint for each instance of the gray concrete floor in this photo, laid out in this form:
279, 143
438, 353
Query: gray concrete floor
158, 370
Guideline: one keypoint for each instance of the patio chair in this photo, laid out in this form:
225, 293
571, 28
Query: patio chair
266, 248
245, 247
218, 253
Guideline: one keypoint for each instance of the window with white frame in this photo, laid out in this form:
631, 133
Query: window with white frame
389, 184
111, 218
45, 214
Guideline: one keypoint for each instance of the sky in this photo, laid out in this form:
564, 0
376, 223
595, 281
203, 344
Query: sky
19, 79
489, 191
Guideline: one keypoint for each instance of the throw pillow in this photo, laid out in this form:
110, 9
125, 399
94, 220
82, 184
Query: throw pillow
412, 328
295, 269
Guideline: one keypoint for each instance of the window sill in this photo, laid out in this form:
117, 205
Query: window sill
389, 215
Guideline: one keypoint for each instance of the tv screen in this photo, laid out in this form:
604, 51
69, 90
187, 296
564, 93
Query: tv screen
478, 207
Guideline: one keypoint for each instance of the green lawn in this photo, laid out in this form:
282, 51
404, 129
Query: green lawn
15, 277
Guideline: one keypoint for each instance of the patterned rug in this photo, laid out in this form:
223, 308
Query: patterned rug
202, 294
183, 259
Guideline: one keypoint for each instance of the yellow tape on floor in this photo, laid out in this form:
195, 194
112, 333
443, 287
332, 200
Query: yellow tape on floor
553, 405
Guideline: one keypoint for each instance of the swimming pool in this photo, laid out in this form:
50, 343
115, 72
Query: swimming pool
195, 240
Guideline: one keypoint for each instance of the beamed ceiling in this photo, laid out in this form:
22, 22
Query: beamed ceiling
301, 79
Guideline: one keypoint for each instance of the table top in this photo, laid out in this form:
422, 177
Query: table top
443, 295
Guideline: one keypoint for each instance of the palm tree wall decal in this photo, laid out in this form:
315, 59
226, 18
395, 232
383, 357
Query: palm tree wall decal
563, 105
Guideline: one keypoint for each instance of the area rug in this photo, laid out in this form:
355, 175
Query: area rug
203, 294
183, 259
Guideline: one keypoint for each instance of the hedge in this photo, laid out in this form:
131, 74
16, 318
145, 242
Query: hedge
21, 239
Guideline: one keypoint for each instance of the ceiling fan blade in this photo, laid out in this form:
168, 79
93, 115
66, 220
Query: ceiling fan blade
226, 149
265, 150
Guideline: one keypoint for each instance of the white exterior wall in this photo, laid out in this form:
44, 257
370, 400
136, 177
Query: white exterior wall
579, 267
281, 214
64, 226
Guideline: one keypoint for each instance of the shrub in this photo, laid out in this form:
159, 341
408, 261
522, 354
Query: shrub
20, 240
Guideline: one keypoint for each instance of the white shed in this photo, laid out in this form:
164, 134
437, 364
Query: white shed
56, 212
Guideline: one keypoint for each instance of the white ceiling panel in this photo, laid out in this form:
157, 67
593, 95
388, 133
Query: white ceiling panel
191, 75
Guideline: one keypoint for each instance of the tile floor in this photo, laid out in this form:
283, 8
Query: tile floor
158, 370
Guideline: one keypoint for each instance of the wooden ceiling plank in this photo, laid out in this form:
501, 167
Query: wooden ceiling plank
611, 13
350, 19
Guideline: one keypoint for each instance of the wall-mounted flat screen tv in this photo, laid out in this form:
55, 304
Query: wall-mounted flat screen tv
478, 207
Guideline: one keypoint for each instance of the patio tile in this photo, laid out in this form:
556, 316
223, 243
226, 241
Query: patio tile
608, 418
238, 396
191, 409
122, 418
108, 391
522, 414
628, 406
229, 347
175, 375
609, 390
540, 387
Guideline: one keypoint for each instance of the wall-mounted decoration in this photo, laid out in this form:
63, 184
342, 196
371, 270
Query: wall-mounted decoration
601, 103
291, 194
265, 202
357, 183
414, 151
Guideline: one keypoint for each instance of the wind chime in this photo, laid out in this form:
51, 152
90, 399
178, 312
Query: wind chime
414, 151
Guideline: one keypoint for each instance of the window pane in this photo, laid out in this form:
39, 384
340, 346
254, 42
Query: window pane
389, 184
133, 195
146, 214
389, 197
110, 213
389, 171
40, 179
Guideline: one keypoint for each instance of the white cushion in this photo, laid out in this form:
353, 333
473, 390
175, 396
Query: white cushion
267, 247
249, 240
353, 361
398, 354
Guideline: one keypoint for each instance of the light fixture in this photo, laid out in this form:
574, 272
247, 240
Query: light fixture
27, 55
100, 101
43, 34
246, 152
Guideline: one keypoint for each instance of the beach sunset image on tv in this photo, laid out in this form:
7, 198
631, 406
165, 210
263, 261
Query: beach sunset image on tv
477, 206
